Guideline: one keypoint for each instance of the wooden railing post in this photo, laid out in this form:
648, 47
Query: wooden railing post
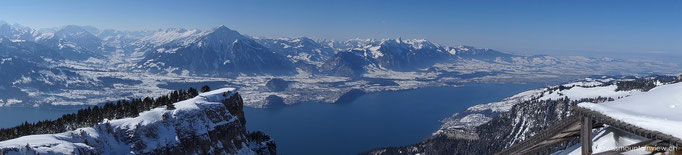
586, 135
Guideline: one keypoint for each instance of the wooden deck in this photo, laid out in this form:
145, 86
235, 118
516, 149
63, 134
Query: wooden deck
580, 125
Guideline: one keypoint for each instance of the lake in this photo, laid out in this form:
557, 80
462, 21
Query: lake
393, 118
13, 116
381, 119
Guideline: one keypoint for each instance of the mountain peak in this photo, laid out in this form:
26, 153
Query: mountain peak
222, 28
72, 28
222, 32
304, 40
180, 30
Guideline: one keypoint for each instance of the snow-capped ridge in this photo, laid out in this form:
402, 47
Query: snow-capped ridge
223, 30
213, 52
217, 95
210, 123
579, 89
179, 35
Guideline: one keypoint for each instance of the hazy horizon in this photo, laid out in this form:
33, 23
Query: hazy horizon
601, 28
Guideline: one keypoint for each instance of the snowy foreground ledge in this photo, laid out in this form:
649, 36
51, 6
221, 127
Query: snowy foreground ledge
660, 109
205, 124
655, 110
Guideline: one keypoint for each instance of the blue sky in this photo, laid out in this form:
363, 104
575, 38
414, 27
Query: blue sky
553, 27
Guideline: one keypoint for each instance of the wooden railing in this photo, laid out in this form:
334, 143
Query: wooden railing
580, 124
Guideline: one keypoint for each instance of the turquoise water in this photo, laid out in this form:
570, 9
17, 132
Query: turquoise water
373, 120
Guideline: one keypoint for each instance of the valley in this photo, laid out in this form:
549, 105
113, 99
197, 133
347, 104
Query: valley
311, 95
108, 65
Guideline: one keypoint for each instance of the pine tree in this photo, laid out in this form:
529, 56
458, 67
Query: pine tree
205, 88
93, 115
170, 106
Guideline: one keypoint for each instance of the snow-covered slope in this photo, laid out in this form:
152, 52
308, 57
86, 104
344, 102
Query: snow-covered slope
582, 89
489, 128
173, 35
211, 123
73, 42
482, 113
402, 55
300, 49
220, 51
656, 110
15, 32
389, 54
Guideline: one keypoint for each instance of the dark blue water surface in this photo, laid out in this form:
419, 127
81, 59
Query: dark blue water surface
373, 120
13, 116
381, 119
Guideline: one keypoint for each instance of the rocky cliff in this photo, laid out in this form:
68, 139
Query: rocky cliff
210, 123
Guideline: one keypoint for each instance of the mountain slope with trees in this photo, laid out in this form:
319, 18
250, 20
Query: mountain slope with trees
182, 122
525, 118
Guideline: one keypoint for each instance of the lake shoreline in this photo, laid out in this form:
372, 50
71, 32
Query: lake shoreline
371, 120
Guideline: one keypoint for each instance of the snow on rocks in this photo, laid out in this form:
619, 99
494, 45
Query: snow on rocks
485, 110
158, 129
507, 103
589, 92
580, 89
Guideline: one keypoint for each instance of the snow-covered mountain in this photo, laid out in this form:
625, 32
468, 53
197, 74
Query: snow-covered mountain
346, 64
15, 32
334, 58
32, 51
489, 128
300, 49
170, 36
220, 51
73, 42
403, 55
26, 64
399, 55
468, 52
73, 64
210, 123
69, 42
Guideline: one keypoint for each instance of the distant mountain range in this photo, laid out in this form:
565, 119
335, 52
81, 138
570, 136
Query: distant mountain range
222, 51
56, 60
80, 65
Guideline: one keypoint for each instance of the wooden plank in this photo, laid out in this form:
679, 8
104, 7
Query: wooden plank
586, 135
541, 142
584, 120
546, 138
618, 124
